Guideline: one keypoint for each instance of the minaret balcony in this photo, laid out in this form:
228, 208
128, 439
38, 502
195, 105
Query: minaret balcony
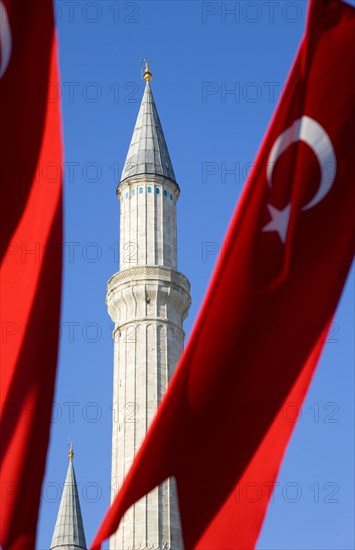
148, 292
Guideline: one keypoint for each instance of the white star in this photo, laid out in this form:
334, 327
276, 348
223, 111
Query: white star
279, 222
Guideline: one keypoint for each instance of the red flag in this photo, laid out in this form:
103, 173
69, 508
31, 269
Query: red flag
31, 244
263, 323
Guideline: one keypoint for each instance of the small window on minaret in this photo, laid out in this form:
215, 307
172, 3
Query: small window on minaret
133, 192
149, 189
127, 195
165, 193
171, 197
141, 190
157, 189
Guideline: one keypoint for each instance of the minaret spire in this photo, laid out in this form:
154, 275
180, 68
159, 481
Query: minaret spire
69, 529
148, 152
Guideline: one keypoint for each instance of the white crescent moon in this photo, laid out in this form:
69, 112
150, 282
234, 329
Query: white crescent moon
5, 39
313, 134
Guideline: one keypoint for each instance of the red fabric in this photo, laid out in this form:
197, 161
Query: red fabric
31, 220
264, 320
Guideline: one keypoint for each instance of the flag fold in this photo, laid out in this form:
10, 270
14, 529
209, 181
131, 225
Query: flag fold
31, 259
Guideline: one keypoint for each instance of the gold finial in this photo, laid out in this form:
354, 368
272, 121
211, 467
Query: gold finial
71, 452
147, 74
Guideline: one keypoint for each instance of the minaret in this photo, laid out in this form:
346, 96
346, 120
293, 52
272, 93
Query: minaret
148, 299
69, 530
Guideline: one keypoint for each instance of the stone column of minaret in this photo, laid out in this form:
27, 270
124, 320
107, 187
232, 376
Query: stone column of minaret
148, 299
69, 530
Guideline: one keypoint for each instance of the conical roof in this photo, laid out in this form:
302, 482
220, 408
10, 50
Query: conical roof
148, 152
69, 530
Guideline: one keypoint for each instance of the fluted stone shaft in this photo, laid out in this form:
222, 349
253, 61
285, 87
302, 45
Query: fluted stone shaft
148, 305
148, 221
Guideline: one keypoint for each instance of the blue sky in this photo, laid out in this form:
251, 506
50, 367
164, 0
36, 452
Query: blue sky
218, 70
